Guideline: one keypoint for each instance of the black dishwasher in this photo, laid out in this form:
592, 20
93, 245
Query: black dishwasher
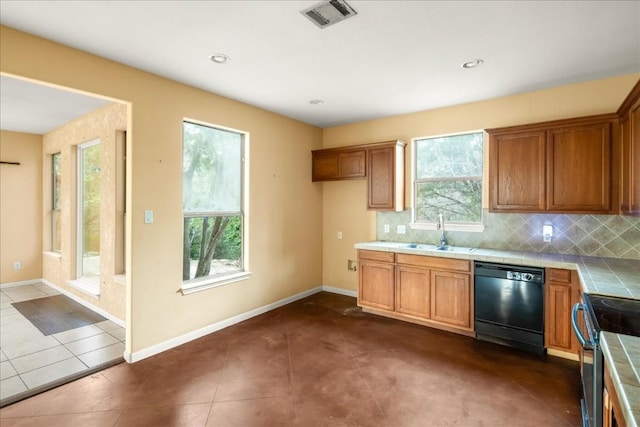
509, 305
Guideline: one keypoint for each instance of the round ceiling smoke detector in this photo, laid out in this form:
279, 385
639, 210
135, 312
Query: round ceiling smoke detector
219, 58
316, 102
472, 64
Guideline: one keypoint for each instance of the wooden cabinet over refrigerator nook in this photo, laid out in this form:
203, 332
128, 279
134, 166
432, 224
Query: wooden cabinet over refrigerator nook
382, 164
560, 166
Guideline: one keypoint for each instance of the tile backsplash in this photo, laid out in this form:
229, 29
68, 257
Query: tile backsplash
596, 235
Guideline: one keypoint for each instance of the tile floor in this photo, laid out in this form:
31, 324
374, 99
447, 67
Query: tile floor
29, 360
318, 362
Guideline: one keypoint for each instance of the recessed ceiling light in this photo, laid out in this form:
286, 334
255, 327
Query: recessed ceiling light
219, 58
472, 64
316, 102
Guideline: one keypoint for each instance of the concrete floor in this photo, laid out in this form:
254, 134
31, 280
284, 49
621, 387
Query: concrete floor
319, 362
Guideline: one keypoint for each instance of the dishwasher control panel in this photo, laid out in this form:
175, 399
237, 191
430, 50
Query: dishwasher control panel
509, 272
516, 275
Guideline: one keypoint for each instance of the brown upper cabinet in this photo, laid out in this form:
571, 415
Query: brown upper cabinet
560, 166
338, 163
381, 163
629, 114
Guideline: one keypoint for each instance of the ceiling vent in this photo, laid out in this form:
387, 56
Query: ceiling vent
329, 12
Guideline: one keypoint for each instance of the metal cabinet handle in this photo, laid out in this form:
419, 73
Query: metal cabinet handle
574, 324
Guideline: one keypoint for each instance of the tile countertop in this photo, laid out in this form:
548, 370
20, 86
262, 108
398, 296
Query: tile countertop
603, 276
622, 354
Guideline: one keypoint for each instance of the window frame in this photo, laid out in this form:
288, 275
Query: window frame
211, 281
89, 285
449, 225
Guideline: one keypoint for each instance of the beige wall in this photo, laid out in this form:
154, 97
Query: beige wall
20, 207
345, 201
285, 245
101, 124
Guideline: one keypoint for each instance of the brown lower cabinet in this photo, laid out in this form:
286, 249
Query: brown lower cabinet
562, 291
376, 278
611, 410
431, 291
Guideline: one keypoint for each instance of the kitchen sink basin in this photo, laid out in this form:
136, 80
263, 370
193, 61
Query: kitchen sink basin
453, 249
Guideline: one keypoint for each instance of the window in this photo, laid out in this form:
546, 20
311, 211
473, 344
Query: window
213, 206
448, 180
88, 249
55, 203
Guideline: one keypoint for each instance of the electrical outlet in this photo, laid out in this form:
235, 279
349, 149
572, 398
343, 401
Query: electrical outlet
339, 235
351, 265
148, 217
17, 265
402, 229
387, 228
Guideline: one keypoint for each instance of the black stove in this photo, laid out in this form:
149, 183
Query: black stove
612, 314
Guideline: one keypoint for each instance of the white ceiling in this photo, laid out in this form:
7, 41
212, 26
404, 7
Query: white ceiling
39, 109
393, 57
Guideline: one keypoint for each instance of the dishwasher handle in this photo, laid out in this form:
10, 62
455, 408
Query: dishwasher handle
576, 330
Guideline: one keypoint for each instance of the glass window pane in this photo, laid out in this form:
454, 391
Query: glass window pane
56, 244
449, 156
90, 211
55, 203
212, 246
57, 180
459, 201
212, 164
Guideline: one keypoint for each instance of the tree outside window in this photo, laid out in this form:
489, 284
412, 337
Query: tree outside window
212, 201
448, 178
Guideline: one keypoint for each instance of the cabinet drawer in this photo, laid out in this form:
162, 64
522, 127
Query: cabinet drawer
376, 255
434, 262
558, 276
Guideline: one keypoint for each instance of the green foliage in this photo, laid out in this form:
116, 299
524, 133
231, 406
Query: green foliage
230, 246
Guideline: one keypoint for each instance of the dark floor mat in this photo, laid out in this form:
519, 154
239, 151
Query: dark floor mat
56, 313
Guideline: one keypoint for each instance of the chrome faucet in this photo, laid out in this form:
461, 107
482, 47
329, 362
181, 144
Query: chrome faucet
440, 226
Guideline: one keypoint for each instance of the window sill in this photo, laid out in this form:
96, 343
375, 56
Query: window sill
473, 228
198, 285
53, 255
120, 279
89, 287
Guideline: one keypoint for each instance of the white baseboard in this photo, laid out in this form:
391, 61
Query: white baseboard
198, 333
87, 304
21, 283
340, 291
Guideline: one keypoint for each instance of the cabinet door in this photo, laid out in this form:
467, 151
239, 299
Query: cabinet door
579, 168
334, 164
629, 113
380, 165
351, 165
558, 334
517, 172
413, 291
634, 163
451, 298
376, 284
561, 293
324, 166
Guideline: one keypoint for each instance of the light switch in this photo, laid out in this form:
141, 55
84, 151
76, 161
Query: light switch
148, 217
